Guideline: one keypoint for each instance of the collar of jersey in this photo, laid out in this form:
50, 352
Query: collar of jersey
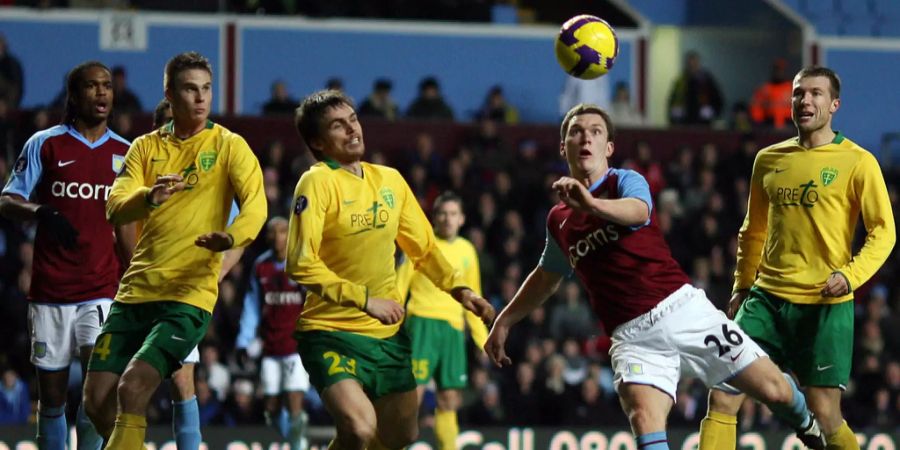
600, 181
838, 138
92, 145
332, 164
169, 127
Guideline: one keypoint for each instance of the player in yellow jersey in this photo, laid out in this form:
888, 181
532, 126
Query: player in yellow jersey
347, 216
795, 275
436, 324
179, 182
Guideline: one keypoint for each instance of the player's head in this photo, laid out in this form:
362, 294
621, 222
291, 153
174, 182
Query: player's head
89, 93
162, 114
586, 139
448, 215
276, 233
816, 96
327, 122
188, 87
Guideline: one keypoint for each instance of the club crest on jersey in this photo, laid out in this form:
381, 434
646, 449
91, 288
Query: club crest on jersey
21, 164
118, 162
388, 195
208, 159
40, 349
301, 204
828, 175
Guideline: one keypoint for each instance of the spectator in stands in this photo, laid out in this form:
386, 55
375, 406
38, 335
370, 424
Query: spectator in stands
280, 103
771, 103
334, 84
695, 97
124, 100
380, 103
497, 109
12, 81
623, 109
15, 403
522, 397
572, 317
577, 91
430, 104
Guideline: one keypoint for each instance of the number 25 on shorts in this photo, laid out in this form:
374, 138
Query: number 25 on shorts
339, 363
101, 347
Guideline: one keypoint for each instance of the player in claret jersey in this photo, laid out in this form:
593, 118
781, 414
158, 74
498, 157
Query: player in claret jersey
271, 307
62, 179
661, 326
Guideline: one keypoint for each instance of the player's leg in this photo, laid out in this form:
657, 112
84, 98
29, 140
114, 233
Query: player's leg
270, 379
823, 364
446, 424
353, 414
398, 420
185, 410
718, 430
295, 383
647, 408
88, 322
52, 344
449, 350
177, 329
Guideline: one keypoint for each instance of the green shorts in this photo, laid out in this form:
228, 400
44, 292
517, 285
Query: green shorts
382, 366
815, 342
439, 351
160, 333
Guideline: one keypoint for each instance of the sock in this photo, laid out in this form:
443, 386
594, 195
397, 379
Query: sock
446, 429
718, 431
297, 431
284, 423
52, 428
88, 438
653, 441
128, 433
794, 413
842, 439
186, 424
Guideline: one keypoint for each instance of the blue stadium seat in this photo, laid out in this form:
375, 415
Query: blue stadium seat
858, 26
829, 26
886, 8
887, 27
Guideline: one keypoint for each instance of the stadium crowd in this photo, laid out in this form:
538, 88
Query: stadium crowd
561, 373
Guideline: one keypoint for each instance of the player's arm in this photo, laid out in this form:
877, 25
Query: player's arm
752, 235
416, 237
15, 204
472, 276
632, 209
868, 189
130, 199
249, 321
247, 180
232, 256
304, 263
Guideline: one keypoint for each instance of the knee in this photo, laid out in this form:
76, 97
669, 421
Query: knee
183, 386
644, 417
359, 432
775, 391
402, 438
93, 407
724, 403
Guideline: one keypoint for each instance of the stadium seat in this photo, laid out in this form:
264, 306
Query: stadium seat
886, 8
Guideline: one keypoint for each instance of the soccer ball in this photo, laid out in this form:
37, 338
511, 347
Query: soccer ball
586, 47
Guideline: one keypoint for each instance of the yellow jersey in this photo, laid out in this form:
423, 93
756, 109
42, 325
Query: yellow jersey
341, 244
426, 300
218, 167
802, 212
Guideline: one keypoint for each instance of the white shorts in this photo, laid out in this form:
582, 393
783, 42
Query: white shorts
193, 357
683, 335
284, 374
59, 331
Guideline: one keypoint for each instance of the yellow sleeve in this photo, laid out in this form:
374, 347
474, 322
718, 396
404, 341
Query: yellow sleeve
416, 237
127, 198
473, 279
869, 190
404, 276
752, 236
247, 180
304, 265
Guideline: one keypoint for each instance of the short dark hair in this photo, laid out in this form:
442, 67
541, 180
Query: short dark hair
184, 61
159, 114
586, 108
819, 71
446, 196
73, 80
308, 116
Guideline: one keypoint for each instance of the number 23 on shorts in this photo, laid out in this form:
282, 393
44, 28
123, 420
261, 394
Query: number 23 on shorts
339, 363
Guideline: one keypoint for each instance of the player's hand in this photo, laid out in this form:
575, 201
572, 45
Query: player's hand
574, 194
387, 311
495, 347
164, 187
836, 286
475, 303
57, 225
217, 241
736, 301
